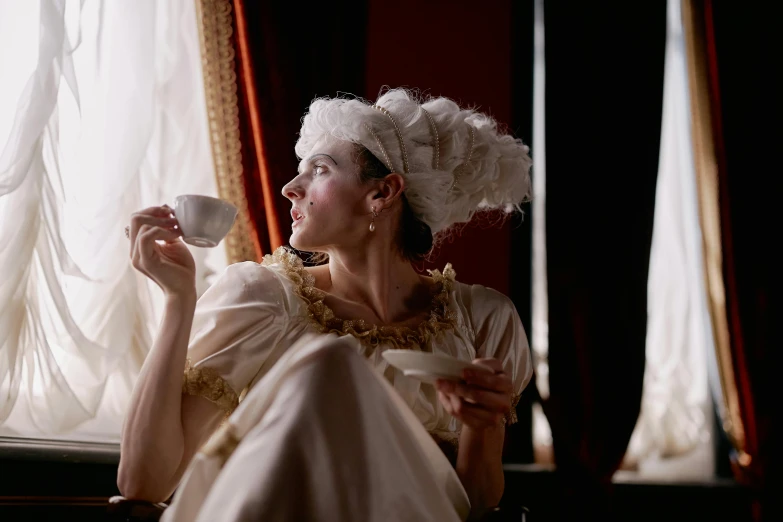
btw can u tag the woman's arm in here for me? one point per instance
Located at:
(163, 427)
(154, 441)
(480, 401)
(480, 466)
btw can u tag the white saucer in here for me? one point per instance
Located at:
(429, 367)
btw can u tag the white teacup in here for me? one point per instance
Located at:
(204, 220)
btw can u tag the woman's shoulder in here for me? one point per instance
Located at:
(478, 296)
(482, 306)
(248, 274)
(281, 262)
(267, 280)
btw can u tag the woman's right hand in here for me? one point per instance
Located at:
(170, 264)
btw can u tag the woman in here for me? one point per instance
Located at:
(317, 434)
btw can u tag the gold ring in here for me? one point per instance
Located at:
(127, 232)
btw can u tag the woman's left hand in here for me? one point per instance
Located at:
(481, 399)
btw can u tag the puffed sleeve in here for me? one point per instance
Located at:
(500, 335)
(236, 328)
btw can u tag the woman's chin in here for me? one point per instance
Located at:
(300, 241)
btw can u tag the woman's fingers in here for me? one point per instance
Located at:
(499, 382)
(447, 402)
(157, 252)
(491, 363)
(470, 414)
(482, 397)
(148, 235)
(477, 416)
(138, 220)
(162, 211)
(157, 210)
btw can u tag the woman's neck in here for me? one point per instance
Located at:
(378, 279)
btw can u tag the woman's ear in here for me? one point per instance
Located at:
(390, 189)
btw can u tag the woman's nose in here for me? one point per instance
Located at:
(292, 190)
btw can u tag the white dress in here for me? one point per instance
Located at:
(314, 433)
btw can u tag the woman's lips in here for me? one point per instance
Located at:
(296, 216)
(297, 219)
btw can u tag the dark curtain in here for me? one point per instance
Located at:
(743, 47)
(288, 53)
(604, 94)
(519, 436)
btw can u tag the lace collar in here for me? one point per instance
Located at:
(441, 319)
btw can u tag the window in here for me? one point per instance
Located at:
(674, 434)
(102, 113)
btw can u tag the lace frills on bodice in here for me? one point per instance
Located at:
(441, 317)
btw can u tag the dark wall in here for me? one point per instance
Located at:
(461, 50)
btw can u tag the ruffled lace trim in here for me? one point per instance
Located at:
(511, 416)
(448, 444)
(441, 318)
(206, 382)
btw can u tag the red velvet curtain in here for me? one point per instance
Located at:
(743, 43)
(604, 94)
(287, 55)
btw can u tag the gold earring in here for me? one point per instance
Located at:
(372, 223)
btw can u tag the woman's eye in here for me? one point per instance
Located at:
(319, 169)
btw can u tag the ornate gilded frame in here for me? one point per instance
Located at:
(220, 89)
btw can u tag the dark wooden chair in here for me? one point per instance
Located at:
(121, 509)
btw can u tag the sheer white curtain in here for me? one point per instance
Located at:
(102, 113)
(542, 433)
(674, 433)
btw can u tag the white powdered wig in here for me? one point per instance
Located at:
(495, 174)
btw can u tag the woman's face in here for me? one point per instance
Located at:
(330, 205)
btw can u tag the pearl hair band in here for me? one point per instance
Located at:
(435, 139)
(399, 136)
(380, 145)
